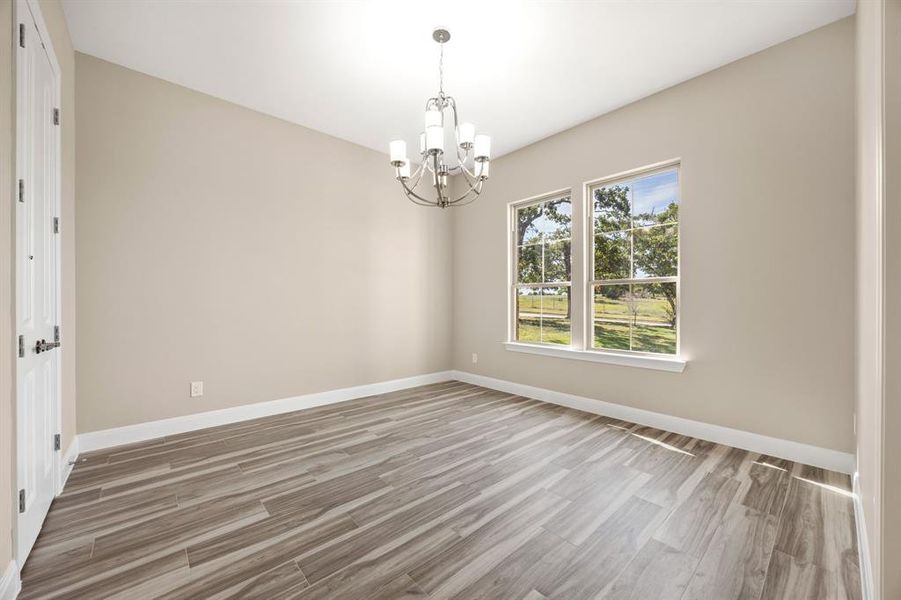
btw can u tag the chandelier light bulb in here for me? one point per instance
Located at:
(398, 151)
(466, 133)
(434, 118)
(482, 168)
(404, 170)
(434, 138)
(422, 143)
(482, 148)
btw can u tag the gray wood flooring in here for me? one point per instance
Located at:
(444, 491)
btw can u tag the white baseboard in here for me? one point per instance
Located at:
(803, 453)
(108, 438)
(67, 462)
(866, 569)
(833, 460)
(10, 584)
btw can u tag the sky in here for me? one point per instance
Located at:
(655, 192)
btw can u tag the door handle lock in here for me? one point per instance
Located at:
(44, 346)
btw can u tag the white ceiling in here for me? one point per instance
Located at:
(362, 71)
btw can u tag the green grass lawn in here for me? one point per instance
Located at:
(554, 305)
(615, 336)
(555, 331)
(649, 309)
(651, 333)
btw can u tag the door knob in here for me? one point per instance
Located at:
(44, 345)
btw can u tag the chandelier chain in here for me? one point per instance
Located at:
(441, 69)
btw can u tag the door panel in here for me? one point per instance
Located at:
(37, 151)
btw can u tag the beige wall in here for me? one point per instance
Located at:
(879, 286)
(767, 247)
(219, 244)
(62, 45)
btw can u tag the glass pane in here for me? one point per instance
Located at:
(530, 224)
(558, 219)
(557, 263)
(655, 318)
(528, 315)
(611, 208)
(611, 317)
(655, 199)
(656, 251)
(555, 316)
(611, 255)
(528, 264)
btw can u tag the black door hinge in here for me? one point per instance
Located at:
(56, 116)
(55, 224)
(21, 35)
(21, 190)
(56, 333)
(21, 501)
(21, 346)
(56, 442)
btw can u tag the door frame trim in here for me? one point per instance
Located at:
(32, 8)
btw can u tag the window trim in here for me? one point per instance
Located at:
(513, 264)
(658, 362)
(582, 307)
(588, 259)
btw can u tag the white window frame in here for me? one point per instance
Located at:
(513, 261)
(589, 251)
(582, 278)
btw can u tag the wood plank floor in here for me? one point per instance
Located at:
(444, 491)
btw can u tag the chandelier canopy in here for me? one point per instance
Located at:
(473, 151)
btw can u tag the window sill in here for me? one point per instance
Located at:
(659, 363)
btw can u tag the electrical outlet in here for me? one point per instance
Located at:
(196, 389)
(475, 358)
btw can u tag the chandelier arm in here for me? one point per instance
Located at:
(474, 190)
(414, 197)
(415, 177)
(463, 201)
(462, 158)
(468, 176)
(417, 199)
(427, 162)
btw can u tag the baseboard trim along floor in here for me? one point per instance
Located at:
(825, 458)
(832, 460)
(118, 436)
(10, 583)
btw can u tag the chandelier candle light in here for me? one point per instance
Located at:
(473, 151)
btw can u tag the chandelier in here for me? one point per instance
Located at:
(473, 151)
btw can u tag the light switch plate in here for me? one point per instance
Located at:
(196, 389)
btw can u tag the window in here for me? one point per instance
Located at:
(543, 271)
(622, 235)
(635, 263)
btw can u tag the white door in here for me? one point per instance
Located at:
(37, 166)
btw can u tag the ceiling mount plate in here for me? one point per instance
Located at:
(440, 35)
